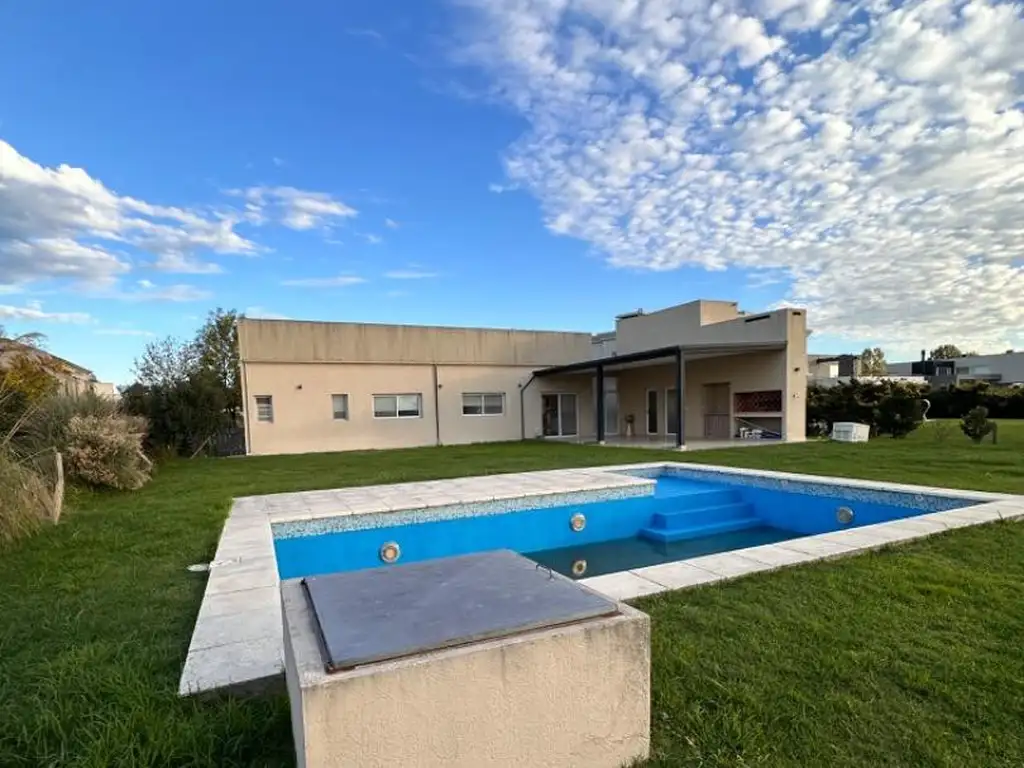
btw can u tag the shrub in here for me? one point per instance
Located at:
(106, 451)
(976, 424)
(899, 413)
(941, 430)
(25, 501)
(46, 428)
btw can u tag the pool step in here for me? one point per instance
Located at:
(698, 500)
(706, 521)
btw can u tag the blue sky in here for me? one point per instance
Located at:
(526, 163)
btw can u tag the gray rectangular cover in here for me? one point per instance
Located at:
(389, 612)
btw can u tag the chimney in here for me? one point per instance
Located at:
(923, 356)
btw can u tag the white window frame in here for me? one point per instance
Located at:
(482, 401)
(398, 409)
(269, 403)
(334, 410)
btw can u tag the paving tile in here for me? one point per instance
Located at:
(777, 555)
(235, 578)
(222, 625)
(676, 575)
(728, 564)
(815, 545)
(622, 585)
(232, 664)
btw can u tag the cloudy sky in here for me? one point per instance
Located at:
(529, 163)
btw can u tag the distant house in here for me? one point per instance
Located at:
(73, 378)
(1005, 369)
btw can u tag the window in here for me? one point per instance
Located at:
(264, 408)
(397, 406)
(483, 403)
(340, 405)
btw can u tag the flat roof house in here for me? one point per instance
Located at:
(692, 372)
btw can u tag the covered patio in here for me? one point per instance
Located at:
(681, 396)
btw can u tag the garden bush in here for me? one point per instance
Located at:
(899, 413)
(976, 424)
(106, 451)
(46, 428)
(25, 500)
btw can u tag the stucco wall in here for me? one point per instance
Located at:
(699, 323)
(577, 695)
(305, 342)
(303, 415)
(745, 373)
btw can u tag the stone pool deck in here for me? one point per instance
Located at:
(238, 637)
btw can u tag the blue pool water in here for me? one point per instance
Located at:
(685, 517)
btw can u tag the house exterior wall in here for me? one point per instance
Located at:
(289, 341)
(701, 323)
(744, 373)
(304, 418)
(301, 365)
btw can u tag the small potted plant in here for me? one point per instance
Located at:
(630, 421)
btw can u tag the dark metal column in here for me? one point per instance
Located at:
(680, 412)
(600, 404)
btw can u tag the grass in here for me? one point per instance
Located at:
(906, 657)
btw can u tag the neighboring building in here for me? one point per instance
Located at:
(311, 386)
(1004, 369)
(832, 366)
(73, 378)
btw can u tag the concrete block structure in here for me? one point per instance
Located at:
(571, 695)
(694, 372)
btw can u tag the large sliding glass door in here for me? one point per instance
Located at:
(558, 413)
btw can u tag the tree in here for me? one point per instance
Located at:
(30, 339)
(217, 352)
(976, 424)
(872, 362)
(945, 352)
(166, 362)
(189, 390)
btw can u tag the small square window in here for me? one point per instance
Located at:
(340, 405)
(264, 408)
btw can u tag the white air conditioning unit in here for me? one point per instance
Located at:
(850, 432)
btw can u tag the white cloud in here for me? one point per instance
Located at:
(261, 313)
(297, 209)
(396, 294)
(339, 281)
(185, 265)
(391, 224)
(63, 224)
(33, 312)
(122, 332)
(409, 274)
(373, 239)
(879, 168)
(146, 290)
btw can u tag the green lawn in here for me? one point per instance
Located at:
(911, 656)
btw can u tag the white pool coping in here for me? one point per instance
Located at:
(237, 641)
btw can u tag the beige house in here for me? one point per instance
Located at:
(695, 372)
(72, 379)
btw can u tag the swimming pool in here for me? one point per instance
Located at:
(237, 640)
(680, 515)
